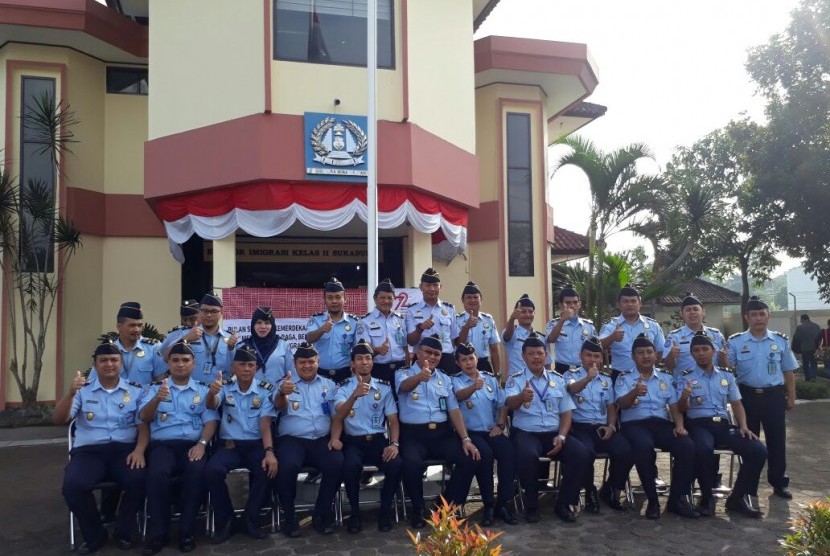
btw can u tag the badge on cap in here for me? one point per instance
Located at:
(140, 353)
(348, 327)
(415, 396)
(469, 405)
(377, 395)
(197, 399)
(295, 405)
(90, 416)
(256, 402)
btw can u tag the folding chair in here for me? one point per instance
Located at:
(309, 505)
(375, 487)
(267, 509)
(518, 498)
(175, 515)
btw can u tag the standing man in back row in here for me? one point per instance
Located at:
(478, 329)
(678, 357)
(569, 332)
(431, 316)
(333, 333)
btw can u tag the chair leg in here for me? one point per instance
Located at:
(71, 531)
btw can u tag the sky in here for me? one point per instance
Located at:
(670, 72)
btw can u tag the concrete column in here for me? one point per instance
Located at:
(418, 257)
(224, 263)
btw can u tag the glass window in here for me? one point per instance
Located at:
(37, 176)
(331, 32)
(519, 197)
(127, 81)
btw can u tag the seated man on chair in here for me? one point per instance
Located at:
(363, 404)
(244, 441)
(704, 394)
(181, 425)
(109, 445)
(541, 425)
(304, 400)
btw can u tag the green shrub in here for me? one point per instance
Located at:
(811, 390)
(809, 531)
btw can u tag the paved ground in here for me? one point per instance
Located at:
(35, 520)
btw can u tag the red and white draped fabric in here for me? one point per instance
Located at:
(268, 209)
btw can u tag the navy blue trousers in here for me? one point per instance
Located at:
(294, 453)
(617, 447)
(647, 434)
(167, 461)
(245, 453)
(98, 463)
(768, 409)
(358, 452)
(494, 448)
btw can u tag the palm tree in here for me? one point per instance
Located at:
(619, 192)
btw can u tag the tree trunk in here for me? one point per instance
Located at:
(743, 263)
(592, 241)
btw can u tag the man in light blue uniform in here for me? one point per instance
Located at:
(431, 316)
(427, 407)
(244, 441)
(704, 393)
(212, 346)
(333, 333)
(365, 406)
(181, 425)
(141, 361)
(479, 329)
(619, 333)
(647, 398)
(764, 364)
(514, 336)
(109, 444)
(595, 423)
(188, 320)
(678, 342)
(541, 425)
(305, 401)
(273, 354)
(481, 400)
(384, 330)
(569, 331)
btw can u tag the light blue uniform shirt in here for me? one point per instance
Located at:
(569, 343)
(711, 392)
(761, 362)
(211, 354)
(309, 410)
(376, 328)
(141, 364)
(279, 363)
(661, 393)
(549, 401)
(513, 348)
(335, 347)
(481, 409)
(241, 411)
(591, 403)
(443, 321)
(683, 336)
(183, 416)
(482, 335)
(423, 404)
(368, 412)
(621, 351)
(102, 417)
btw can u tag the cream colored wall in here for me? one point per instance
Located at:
(87, 91)
(454, 277)
(206, 65)
(483, 261)
(441, 78)
(125, 132)
(488, 143)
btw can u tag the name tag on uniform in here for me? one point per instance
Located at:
(549, 404)
(376, 420)
(442, 403)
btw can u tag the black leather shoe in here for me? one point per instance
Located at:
(355, 525)
(592, 500)
(742, 505)
(91, 547)
(783, 492)
(418, 518)
(681, 508)
(653, 509)
(187, 543)
(291, 529)
(124, 542)
(488, 516)
(565, 514)
(506, 515)
(223, 533)
(384, 522)
(532, 516)
(706, 507)
(322, 525)
(611, 496)
(153, 546)
(253, 531)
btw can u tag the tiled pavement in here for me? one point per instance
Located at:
(34, 519)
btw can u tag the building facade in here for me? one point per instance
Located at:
(222, 144)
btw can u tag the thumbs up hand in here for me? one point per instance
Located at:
(216, 385)
(328, 325)
(363, 387)
(472, 321)
(567, 313)
(163, 393)
(618, 335)
(194, 334)
(384, 347)
(641, 388)
(675, 349)
(287, 386)
(687, 390)
(426, 373)
(527, 394)
(78, 382)
(593, 371)
(479, 382)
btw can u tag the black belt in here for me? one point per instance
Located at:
(562, 367)
(760, 391)
(707, 420)
(365, 437)
(331, 372)
(425, 426)
(392, 365)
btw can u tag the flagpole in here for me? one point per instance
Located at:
(372, 178)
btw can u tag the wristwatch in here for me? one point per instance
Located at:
(502, 426)
(203, 442)
(395, 444)
(270, 449)
(562, 437)
(466, 439)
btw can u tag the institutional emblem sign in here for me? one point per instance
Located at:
(335, 146)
